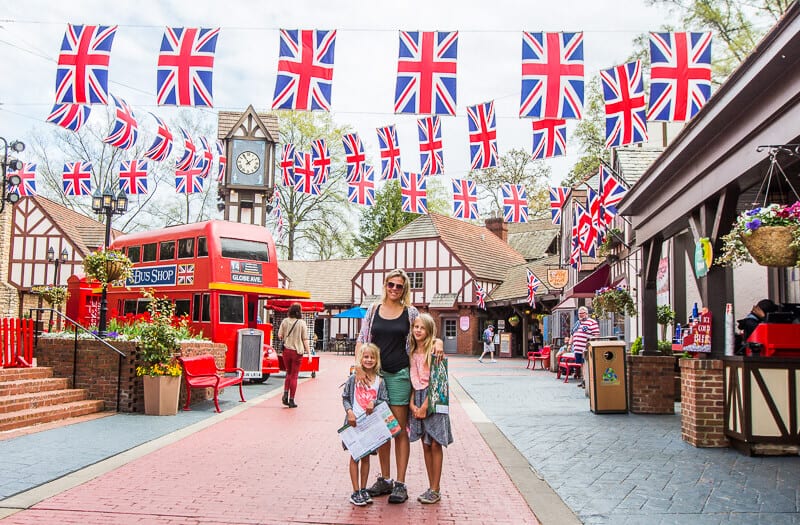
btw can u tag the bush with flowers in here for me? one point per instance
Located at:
(734, 249)
(613, 300)
(158, 339)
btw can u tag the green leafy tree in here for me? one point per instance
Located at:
(516, 167)
(381, 220)
(590, 136)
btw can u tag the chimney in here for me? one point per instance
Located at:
(498, 227)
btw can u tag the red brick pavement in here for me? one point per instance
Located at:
(270, 464)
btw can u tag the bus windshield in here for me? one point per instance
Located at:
(242, 249)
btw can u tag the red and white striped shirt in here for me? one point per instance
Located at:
(586, 329)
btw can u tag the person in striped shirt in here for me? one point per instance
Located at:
(584, 329)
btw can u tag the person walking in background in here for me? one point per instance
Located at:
(388, 324)
(294, 334)
(359, 400)
(488, 344)
(430, 426)
(584, 329)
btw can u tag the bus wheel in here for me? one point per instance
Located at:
(313, 374)
(259, 380)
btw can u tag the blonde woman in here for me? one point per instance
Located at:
(388, 324)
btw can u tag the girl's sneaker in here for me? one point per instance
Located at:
(365, 496)
(357, 499)
(429, 496)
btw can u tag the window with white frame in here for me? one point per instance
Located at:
(416, 280)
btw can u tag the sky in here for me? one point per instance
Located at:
(365, 67)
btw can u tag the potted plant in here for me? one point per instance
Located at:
(610, 240)
(613, 300)
(513, 320)
(55, 296)
(768, 234)
(108, 267)
(158, 348)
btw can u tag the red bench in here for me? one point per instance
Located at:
(201, 372)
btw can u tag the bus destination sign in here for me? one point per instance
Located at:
(152, 276)
(246, 272)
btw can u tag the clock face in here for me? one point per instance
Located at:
(248, 162)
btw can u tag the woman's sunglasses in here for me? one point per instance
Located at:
(390, 285)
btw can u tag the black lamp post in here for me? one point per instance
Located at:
(51, 258)
(108, 204)
(10, 164)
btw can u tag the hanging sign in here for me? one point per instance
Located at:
(699, 337)
(558, 277)
(702, 257)
(463, 323)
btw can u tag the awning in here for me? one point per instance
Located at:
(567, 304)
(355, 312)
(282, 305)
(591, 283)
(260, 290)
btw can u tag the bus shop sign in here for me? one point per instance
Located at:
(152, 276)
(246, 272)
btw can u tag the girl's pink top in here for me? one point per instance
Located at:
(420, 371)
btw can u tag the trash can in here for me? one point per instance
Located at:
(606, 377)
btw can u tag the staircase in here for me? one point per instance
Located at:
(29, 396)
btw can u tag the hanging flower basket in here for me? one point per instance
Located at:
(616, 300)
(108, 267)
(53, 295)
(771, 245)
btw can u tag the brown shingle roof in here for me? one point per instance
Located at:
(532, 239)
(329, 282)
(85, 233)
(481, 251)
(633, 162)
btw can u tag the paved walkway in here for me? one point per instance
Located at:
(526, 447)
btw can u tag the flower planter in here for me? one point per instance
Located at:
(770, 246)
(161, 395)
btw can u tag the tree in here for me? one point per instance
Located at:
(387, 216)
(590, 136)
(516, 167)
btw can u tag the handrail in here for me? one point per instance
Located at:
(77, 325)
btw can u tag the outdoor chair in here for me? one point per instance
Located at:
(568, 365)
(542, 357)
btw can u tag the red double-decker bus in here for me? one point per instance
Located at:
(217, 273)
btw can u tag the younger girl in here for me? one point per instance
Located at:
(359, 399)
(434, 429)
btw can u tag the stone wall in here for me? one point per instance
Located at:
(651, 384)
(98, 368)
(703, 403)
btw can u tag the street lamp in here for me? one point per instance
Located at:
(8, 183)
(51, 258)
(108, 204)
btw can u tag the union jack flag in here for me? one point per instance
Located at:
(126, 130)
(287, 165)
(162, 144)
(77, 178)
(533, 285)
(321, 160)
(414, 192)
(558, 196)
(552, 75)
(390, 152)
(431, 156)
(575, 258)
(305, 70)
(426, 73)
(515, 202)
(482, 135)
(186, 66)
(594, 208)
(354, 156)
(611, 193)
(585, 235)
(549, 138)
(480, 296)
(222, 161)
(465, 199)
(69, 116)
(305, 180)
(133, 177)
(623, 92)
(276, 209)
(189, 152)
(205, 157)
(27, 182)
(185, 274)
(362, 190)
(680, 75)
(82, 74)
(189, 180)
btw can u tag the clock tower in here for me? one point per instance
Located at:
(250, 141)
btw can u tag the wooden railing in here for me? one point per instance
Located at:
(16, 342)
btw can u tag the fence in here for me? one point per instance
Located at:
(16, 342)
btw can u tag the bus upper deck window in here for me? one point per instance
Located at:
(135, 253)
(202, 247)
(186, 248)
(149, 252)
(167, 250)
(244, 249)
